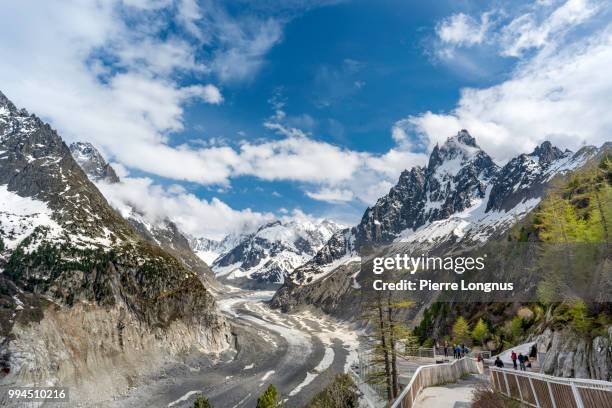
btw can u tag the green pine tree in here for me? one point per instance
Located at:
(461, 331)
(202, 402)
(480, 332)
(269, 399)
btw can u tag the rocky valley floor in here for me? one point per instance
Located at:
(298, 353)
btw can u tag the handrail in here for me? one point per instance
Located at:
(440, 373)
(542, 391)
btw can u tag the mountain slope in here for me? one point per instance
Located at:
(460, 199)
(93, 163)
(209, 250)
(271, 253)
(162, 232)
(84, 300)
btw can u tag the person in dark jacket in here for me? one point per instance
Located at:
(499, 363)
(521, 359)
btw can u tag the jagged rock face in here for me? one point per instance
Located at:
(570, 356)
(525, 176)
(167, 235)
(63, 246)
(460, 198)
(35, 162)
(271, 253)
(92, 162)
(457, 173)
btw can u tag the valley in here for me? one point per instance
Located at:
(298, 353)
(99, 294)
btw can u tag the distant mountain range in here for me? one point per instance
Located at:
(269, 254)
(272, 253)
(461, 198)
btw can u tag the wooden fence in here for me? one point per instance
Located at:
(545, 391)
(434, 374)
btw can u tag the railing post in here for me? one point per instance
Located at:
(577, 396)
(518, 385)
(552, 397)
(508, 385)
(535, 396)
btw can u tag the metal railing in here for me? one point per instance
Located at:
(545, 391)
(434, 374)
(370, 396)
(485, 354)
(438, 352)
(421, 352)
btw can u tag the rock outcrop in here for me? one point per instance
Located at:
(568, 355)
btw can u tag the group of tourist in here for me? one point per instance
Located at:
(518, 361)
(458, 350)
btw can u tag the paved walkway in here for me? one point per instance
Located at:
(457, 395)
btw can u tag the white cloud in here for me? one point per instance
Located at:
(63, 74)
(197, 217)
(361, 176)
(245, 46)
(472, 44)
(213, 219)
(212, 94)
(331, 195)
(188, 14)
(529, 30)
(561, 94)
(297, 158)
(96, 78)
(461, 29)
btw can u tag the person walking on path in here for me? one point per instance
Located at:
(513, 357)
(445, 349)
(499, 363)
(521, 359)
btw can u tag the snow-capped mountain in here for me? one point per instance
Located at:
(272, 252)
(210, 249)
(44, 195)
(67, 257)
(92, 162)
(460, 196)
(162, 232)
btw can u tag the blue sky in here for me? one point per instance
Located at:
(228, 114)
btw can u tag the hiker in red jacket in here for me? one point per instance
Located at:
(513, 357)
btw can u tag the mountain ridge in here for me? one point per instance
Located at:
(273, 250)
(460, 197)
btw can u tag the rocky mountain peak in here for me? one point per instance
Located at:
(6, 104)
(547, 153)
(63, 247)
(93, 163)
(7, 107)
(455, 152)
(464, 137)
